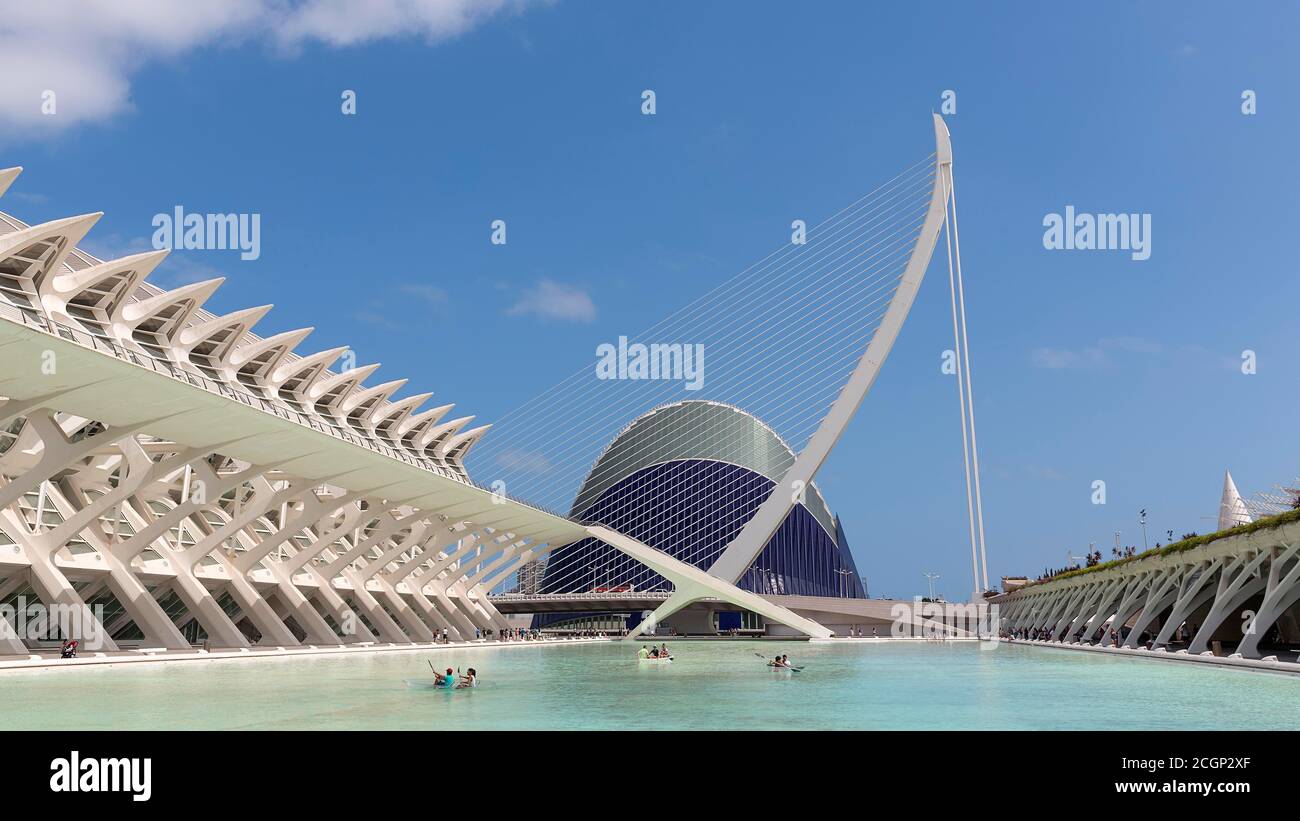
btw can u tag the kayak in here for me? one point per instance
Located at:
(425, 684)
(658, 660)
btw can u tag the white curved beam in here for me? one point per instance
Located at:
(690, 584)
(740, 554)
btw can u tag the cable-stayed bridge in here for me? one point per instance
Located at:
(197, 482)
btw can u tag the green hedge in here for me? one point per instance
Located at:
(1266, 523)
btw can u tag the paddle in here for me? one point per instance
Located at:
(770, 664)
(436, 674)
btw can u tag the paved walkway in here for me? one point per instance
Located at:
(50, 659)
(1269, 664)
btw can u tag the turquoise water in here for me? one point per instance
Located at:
(711, 685)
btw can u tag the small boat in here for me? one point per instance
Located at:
(658, 659)
(428, 684)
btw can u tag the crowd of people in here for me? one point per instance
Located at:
(528, 634)
(515, 634)
(1109, 636)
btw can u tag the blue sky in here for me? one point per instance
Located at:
(1087, 365)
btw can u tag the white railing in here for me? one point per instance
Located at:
(585, 596)
(109, 347)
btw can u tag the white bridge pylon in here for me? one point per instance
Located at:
(720, 580)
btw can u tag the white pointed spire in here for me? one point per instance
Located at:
(1232, 508)
(7, 177)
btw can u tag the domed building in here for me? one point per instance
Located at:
(685, 478)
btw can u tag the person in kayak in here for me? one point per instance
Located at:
(643, 653)
(663, 651)
(470, 679)
(448, 680)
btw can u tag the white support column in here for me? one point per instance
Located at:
(139, 603)
(440, 608)
(308, 618)
(1109, 598)
(53, 587)
(221, 631)
(1066, 611)
(350, 624)
(1058, 601)
(1164, 589)
(1238, 581)
(388, 629)
(416, 628)
(1083, 610)
(1194, 594)
(1282, 591)
(266, 497)
(1130, 601)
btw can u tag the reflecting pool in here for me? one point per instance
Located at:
(710, 685)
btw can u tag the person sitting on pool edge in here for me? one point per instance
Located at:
(449, 680)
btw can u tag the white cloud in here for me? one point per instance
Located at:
(1094, 356)
(526, 461)
(348, 22)
(86, 51)
(1057, 359)
(554, 300)
(431, 294)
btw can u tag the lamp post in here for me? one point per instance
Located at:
(844, 581)
(1143, 514)
(930, 577)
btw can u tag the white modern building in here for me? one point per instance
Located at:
(173, 478)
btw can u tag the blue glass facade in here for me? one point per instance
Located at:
(691, 509)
